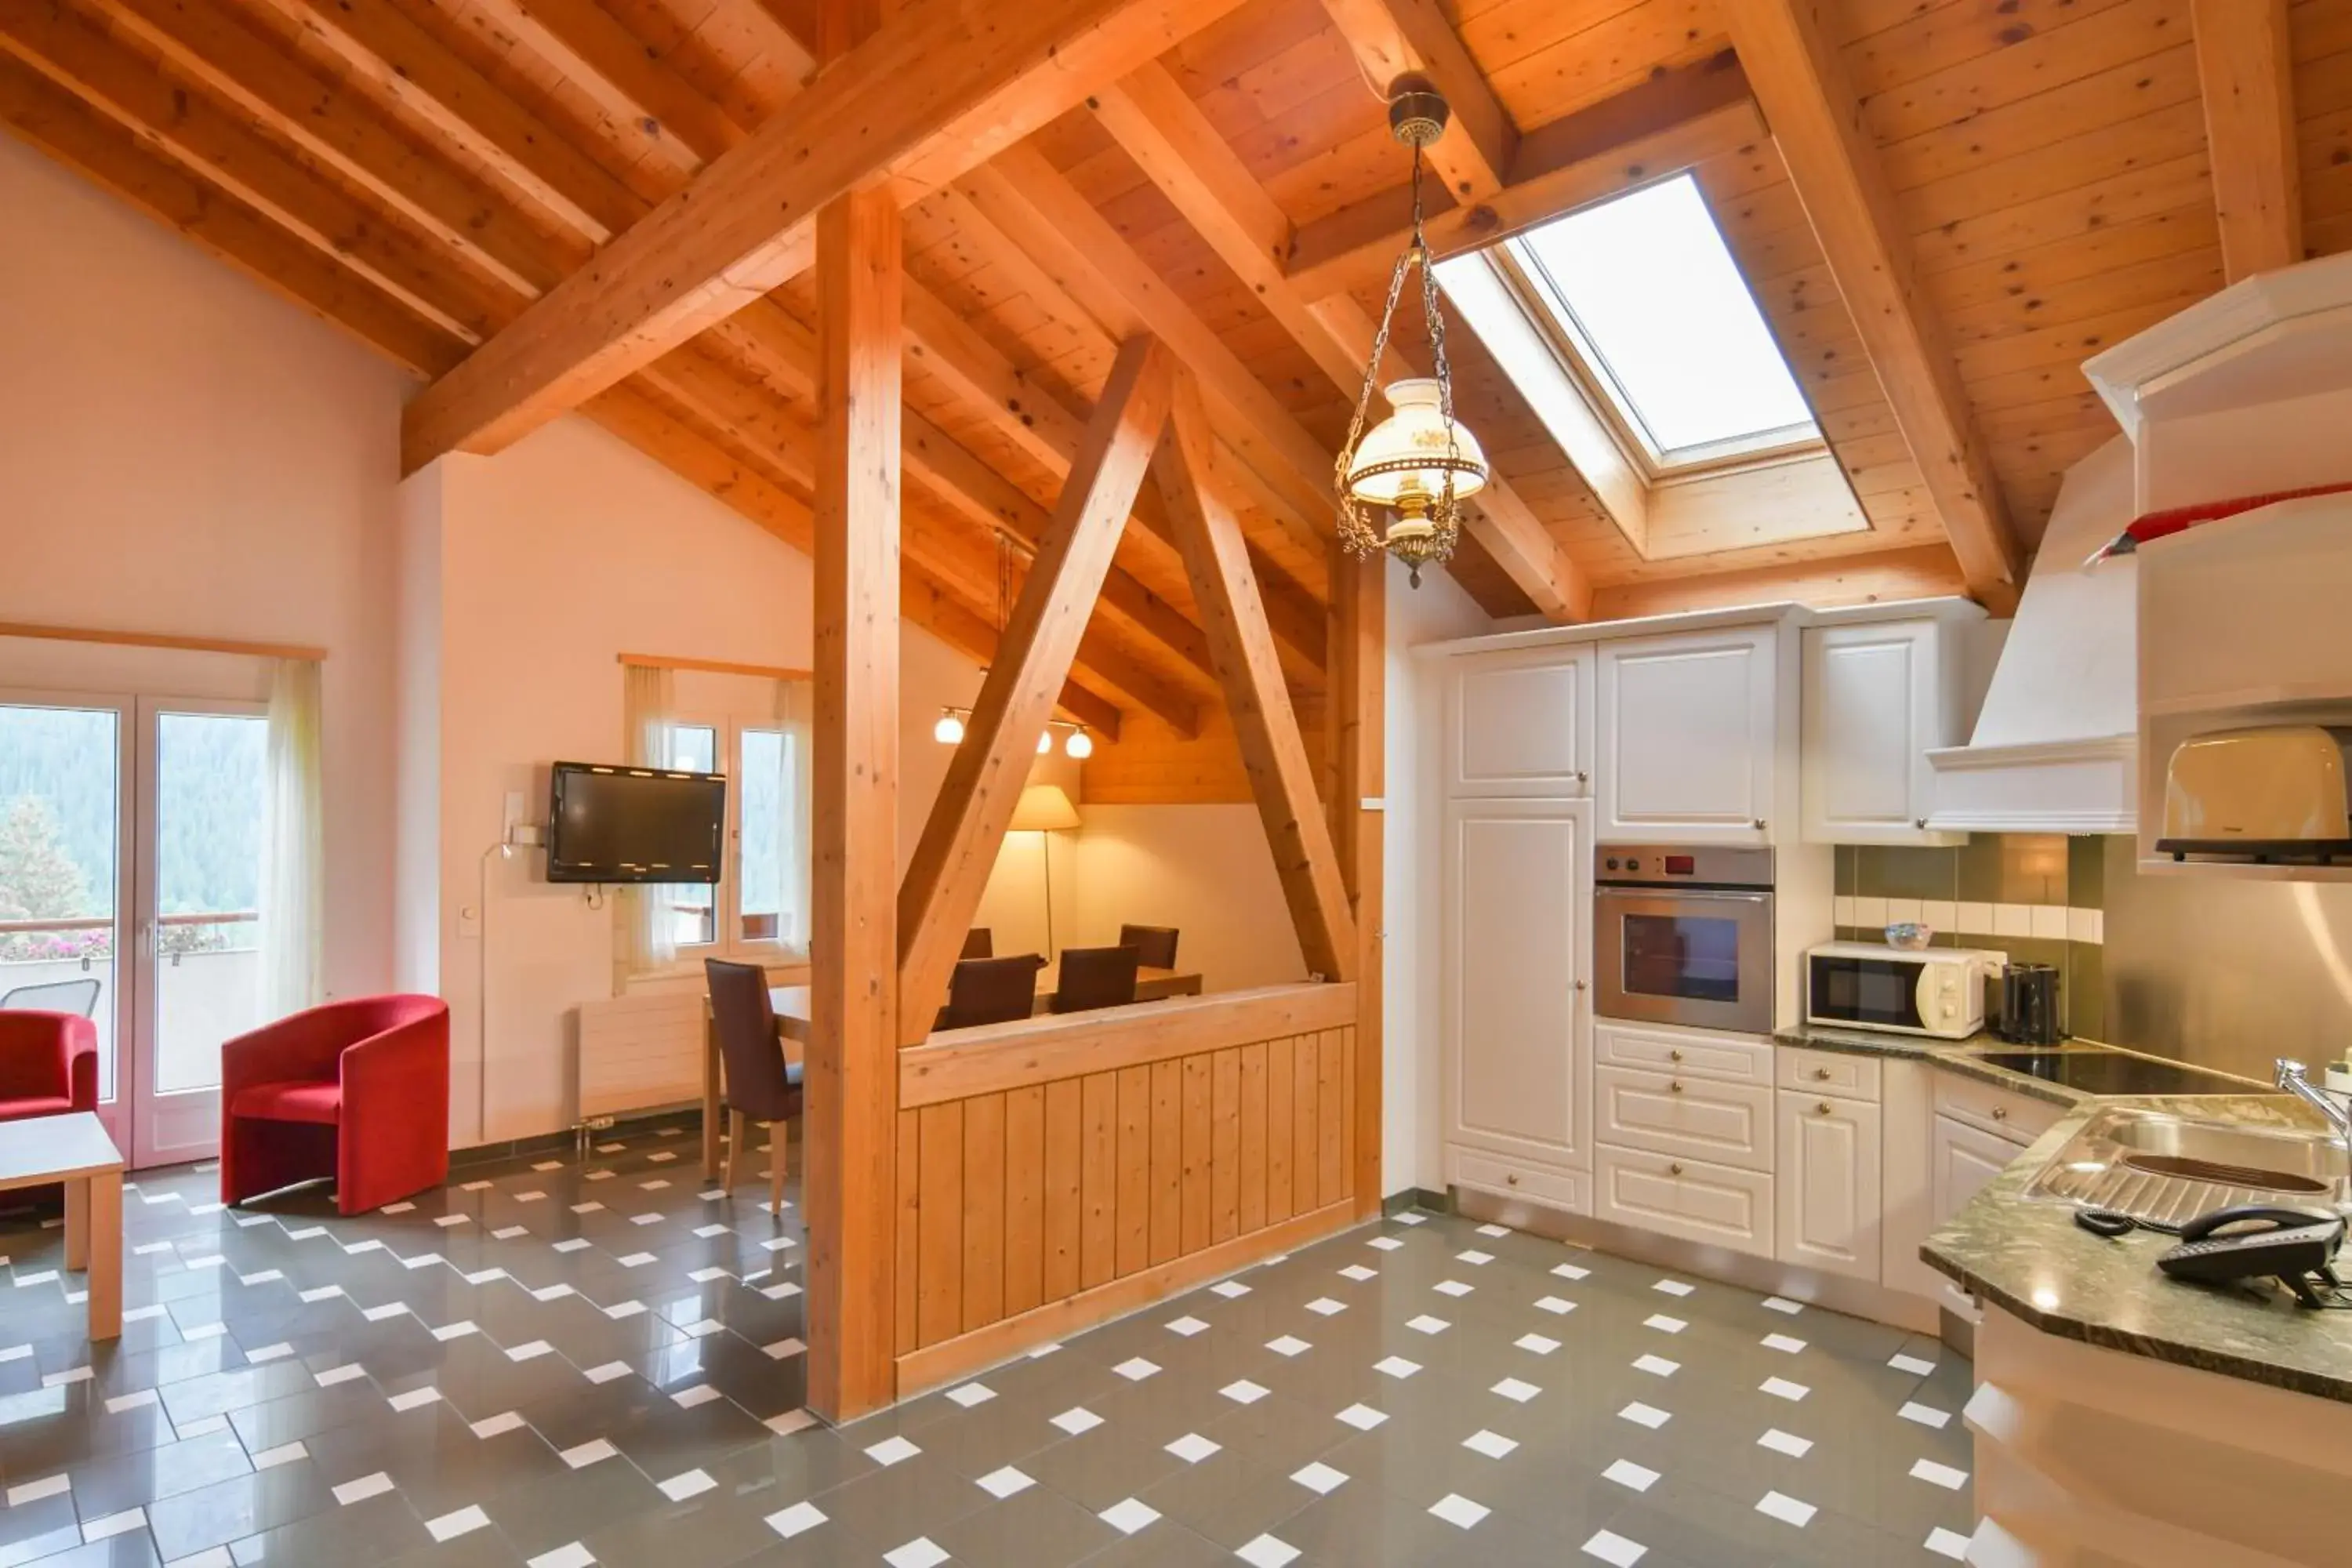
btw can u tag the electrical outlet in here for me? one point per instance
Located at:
(524, 833)
(599, 1123)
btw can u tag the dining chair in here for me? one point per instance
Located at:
(1094, 977)
(991, 991)
(759, 1084)
(1155, 946)
(979, 942)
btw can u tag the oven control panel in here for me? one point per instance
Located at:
(1666, 865)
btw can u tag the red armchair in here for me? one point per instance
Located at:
(358, 1091)
(48, 1064)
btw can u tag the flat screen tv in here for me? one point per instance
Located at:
(634, 824)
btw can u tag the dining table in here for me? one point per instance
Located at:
(793, 1008)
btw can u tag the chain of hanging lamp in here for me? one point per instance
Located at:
(1357, 533)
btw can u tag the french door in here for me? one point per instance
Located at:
(130, 834)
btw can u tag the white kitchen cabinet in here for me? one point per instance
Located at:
(1963, 1160)
(1689, 745)
(1695, 1199)
(1877, 697)
(1826, 1183)
(1520, 723)
(1516, 981)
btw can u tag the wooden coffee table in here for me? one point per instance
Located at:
(74, 1149)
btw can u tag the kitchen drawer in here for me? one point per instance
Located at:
(1829, 1072)
(1666, 1113)
(1691, 1053)
(2016, 1117)
(1695, 1199)
(1571, 1190)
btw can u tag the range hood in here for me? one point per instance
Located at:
(2247, 393)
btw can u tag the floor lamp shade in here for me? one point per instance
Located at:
(1045, 809)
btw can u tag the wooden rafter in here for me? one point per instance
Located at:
(1281, 774)
(1393, 37)
(938, 87)
(948, 870)
(1679, 118)
(1800, 82)
(581, 38)
(1172, 140)
(2246, 72)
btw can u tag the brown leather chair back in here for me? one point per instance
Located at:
(759, 1083)
(991, 991)
(1095, 977)
(1155, 946)
(979, 942)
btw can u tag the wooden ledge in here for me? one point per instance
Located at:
(959, 1063)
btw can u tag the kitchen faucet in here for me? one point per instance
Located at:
(2289, 1078)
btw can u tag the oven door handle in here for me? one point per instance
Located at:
(1684, 895)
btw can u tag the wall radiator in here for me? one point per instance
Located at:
(640, 1053)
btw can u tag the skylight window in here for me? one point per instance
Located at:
(1641, 295)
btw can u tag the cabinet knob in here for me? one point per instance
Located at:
(1582, 776)
(1823, 1108)
(1512, 1177)
(1757, 825)
(1822, 1074)
(1676, 1086)
(2000, 1113)
(1673, 1056)
(1674, 1169)
(1920, 822)
(1580, 986)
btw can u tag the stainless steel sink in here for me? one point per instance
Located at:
(2166, 1170)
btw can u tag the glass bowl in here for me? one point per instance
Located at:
(1909, 935)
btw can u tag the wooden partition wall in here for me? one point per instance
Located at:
(1053, 1174)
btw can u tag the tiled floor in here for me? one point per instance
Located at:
(560, 1366)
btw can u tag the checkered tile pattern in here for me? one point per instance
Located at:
(561, 1364)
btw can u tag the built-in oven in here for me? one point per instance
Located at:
(1683, 934)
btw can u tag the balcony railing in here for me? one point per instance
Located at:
(206, 992)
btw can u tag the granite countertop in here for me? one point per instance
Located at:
(2028, 1257)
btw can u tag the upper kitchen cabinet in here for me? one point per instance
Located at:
(1520, 723)
(1878, 697)
(1696, 732)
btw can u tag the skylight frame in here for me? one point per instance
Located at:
(1549, 310)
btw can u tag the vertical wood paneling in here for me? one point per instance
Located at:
(1331, 1116)
(1134, 1169)
(1252, 1205)
(1197, 1153)
(1167, 1159)
(984, 1210)
(1065, 1118)
(1279, 1129)
(938, 1296)
(1024, 1198)
(1225, 1144)
(910, 1216)
(1305, 1138)
(1099, 1162)
(1350, 1113)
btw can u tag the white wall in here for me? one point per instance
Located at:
(182, 452)
(1411, 1152)
(1204, 869)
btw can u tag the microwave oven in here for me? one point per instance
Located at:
(1937, 991)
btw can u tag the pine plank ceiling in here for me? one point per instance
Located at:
(1942, 206)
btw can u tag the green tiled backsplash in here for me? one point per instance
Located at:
(2038, 897)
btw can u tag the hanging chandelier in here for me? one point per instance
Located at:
(1413, 471)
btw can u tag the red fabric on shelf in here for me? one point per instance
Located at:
(358, 1091)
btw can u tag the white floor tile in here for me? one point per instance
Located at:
(1458, 1510)
(1268, 1551)
(1784, 1343)
(892, 1451)
(588, 1453)
(1397, 1366)
(1323, 1307)
(970, 1393)
(1555, 1306)
(797, 1520)
(1943, 1476)
(693, 1483)
(1187, 1326)
(1656, 1365)
(1626, 1473)
(1517, 1390)
(362, 1488)
(1129, 1515)
(1427, 1325)
(1614, 1548)
(1664, 1324)
(1787, 1443)
(462, 1522)
(492, 1426)
(1787, 1509)
(572, 1555)
(1078, 1419)
(920, 1552)
(1135, 1369)
(1948, 1544)
(1493, 1445)
(1320, 1479)
(1451, 1287)
(1912, 1364)
(1926, 1414)
(1244, 1392)
(1288, 1346)
(1363, 1417)
(1001, 1484)
(1648, 1416)
(1781, 1388)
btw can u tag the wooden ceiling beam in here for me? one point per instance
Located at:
(345, 130)
(1165, 133)
(1912, 571)
(938, 86)
(1390, 38)
(608, 62)
(1800, 82)
(1676, 120)
(2246, 72)
(76, 49)
(50, 117)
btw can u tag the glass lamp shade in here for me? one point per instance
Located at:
(1080, 745)
(1403, 461)
(1044, 743)
(949, 730)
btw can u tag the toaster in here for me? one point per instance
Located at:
(2277, 793)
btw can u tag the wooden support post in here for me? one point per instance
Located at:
(2246, 70)
(853, 1053)
(1358, 717)
(1281, 774)
(951, 865)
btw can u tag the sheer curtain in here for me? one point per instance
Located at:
(644, 938)
(293, 872)
(795, 702)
